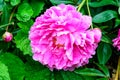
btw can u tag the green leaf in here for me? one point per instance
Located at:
(5, 14)
(25, 26)
(67, 75)
(89, 77)
(102, 79)
(106, 39)
(24, 12)
(23, 43)
(89, 72)
(117, 22)
(104, 16)
(56, 75)
(15, 66)
(37, 7)
(104, 69)
(119, 10)
(1, 5)
(52, 76)
(6, 0)
(4, 46)
(56, 2)
(104, 52)
(14, 2)
(36, 71)
(4, 75)
(102, 3)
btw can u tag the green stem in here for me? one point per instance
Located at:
(12, 23)
(88, 8)
(118, 70)
(80, 5)
(89, 12)
(11, 16)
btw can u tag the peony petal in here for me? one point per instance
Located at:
(69, 54)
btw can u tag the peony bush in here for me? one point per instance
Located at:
(59, 40)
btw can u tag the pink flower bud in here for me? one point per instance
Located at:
(98, 34)
(7, 36)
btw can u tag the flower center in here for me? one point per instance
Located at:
(57, 44)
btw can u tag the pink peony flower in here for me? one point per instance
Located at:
(7, 36)
(60, 38)
(116, 41)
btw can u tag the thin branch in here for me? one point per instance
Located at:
(11, 16)
(12, 23)
(118, 70)
(80, 5)
(89, 12)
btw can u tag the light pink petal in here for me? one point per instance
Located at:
(85, 23)
(38, 57)
(47, 57)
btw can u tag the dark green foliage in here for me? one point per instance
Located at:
(104, 52)
(16, 61)
(104, 16)
(89, 72)
(15, 66)
(36, 71)
(103, 3)
(4, 75)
